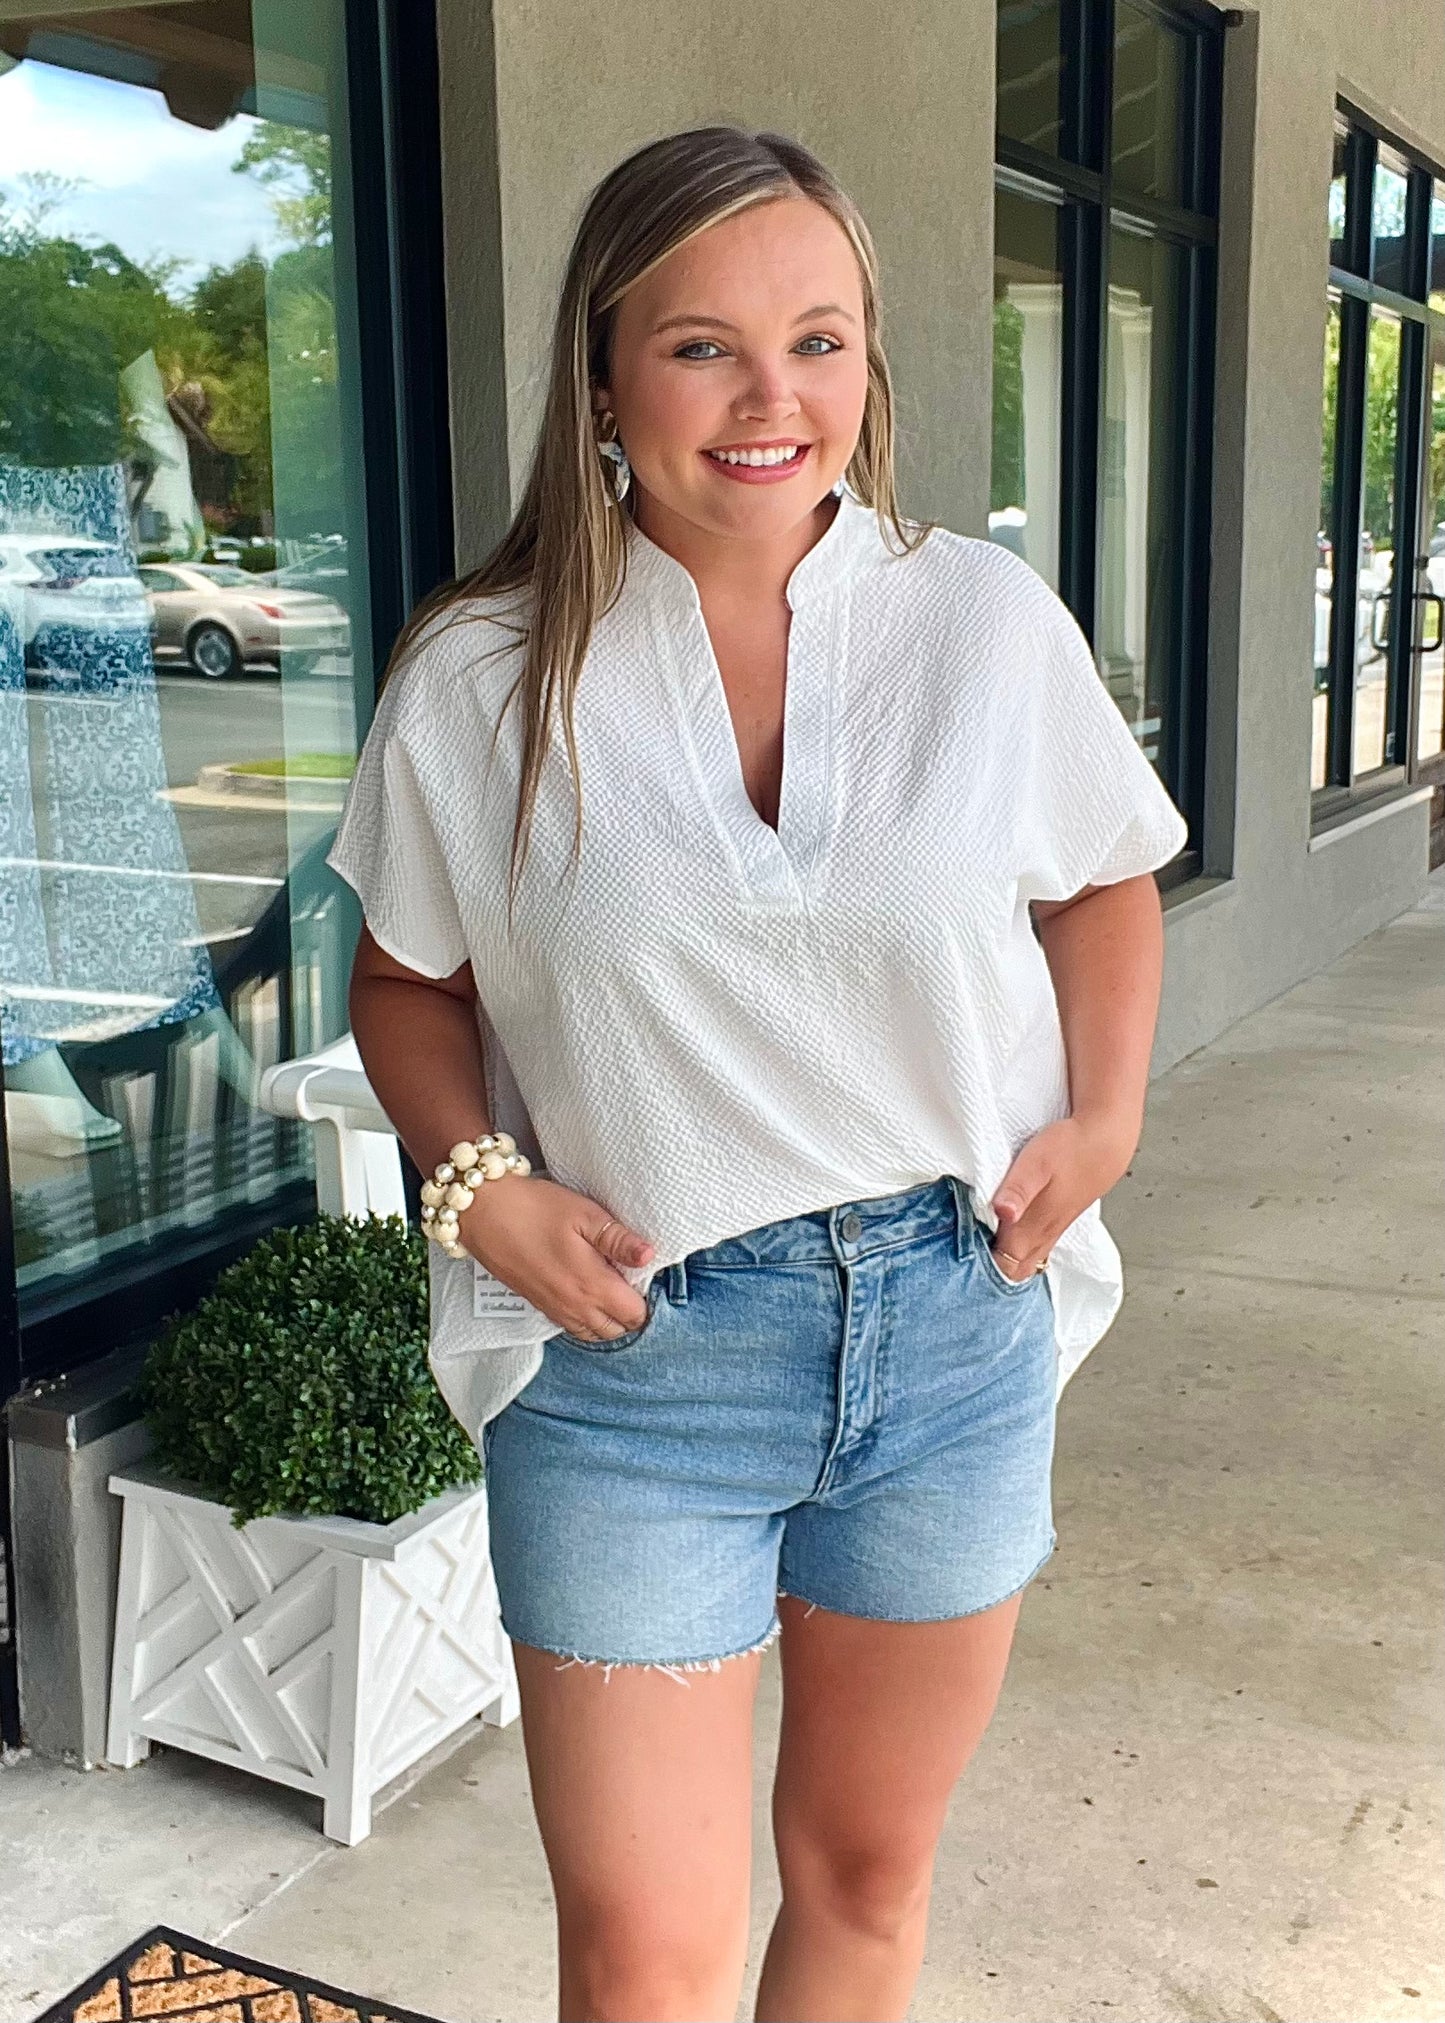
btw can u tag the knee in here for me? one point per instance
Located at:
(875, 1892)
(622, 1964)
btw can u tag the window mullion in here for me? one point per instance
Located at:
(1409, 507)
(1083, 240)
(1085, 246)
(1088, 29)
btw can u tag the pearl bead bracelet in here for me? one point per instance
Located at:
(454, 1183)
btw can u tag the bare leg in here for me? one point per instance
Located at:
(642, 1784)
(879, 1720)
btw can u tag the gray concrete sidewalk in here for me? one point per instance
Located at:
(1212, 1790)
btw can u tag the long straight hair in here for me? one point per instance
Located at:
(566, 545)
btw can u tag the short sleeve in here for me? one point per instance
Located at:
(386, 845)
(1093, 810)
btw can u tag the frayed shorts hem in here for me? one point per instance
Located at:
(676, 1667)
(673, 1667)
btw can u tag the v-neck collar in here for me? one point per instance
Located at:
(775, 866)
(831, 558)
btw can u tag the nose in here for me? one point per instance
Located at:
(769, 395)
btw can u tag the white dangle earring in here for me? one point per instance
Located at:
(619, 477)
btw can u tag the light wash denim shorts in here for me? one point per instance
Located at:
(853, 1406)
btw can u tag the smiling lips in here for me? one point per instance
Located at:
(758, 463)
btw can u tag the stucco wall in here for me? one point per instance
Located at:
(539, 101)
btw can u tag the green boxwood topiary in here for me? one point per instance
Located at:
(300, 1385)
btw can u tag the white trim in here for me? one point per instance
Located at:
(1409, 799)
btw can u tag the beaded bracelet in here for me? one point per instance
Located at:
(454, 1183)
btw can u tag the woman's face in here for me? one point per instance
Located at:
(749, 339)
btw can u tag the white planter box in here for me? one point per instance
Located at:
(321, 1652)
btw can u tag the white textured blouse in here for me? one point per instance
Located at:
(715, 1024)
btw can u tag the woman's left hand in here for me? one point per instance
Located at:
(1055, 1176)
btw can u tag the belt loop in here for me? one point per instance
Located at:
(677, 1283)
(962, 1217)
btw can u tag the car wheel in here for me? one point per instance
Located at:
(213, 653)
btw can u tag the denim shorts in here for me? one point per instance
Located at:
(853, 1406)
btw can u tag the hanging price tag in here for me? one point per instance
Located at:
(490, 1296)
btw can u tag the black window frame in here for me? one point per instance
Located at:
(1080, 182)
(1350, 284)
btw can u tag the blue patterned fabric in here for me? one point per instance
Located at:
(81, 771)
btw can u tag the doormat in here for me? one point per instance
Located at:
(164, 1974)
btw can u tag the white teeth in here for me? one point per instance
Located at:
(757, 457)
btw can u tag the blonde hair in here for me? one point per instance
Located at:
(566, 546)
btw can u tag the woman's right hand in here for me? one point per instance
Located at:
(558, 1249)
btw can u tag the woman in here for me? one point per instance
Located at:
(825, 1124)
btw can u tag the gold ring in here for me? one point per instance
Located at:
(1009, 1258)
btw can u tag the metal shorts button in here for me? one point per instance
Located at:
(851, 1227)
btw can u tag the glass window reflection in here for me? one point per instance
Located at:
(1376, 541)
(1142, 479)
(1389, 200)
(1325, 541)
(1030, 72)
(1028, 330)
(1149, 127)
(1339, 196)
(180, 608)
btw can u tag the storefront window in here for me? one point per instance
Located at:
(1141, 493)
(1377, 606)
(1104, 286)
(1028, 351)
(184, 612)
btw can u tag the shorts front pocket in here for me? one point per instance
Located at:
(993, 1271)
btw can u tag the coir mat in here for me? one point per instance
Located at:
(165, 1975)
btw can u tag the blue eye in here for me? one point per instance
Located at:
(818, 338)
(696, 345)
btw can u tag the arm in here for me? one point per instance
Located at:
(400, 1017)
(1105, 952)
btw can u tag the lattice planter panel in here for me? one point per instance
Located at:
(322, 1652)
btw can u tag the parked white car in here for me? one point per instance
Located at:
(73, 597)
